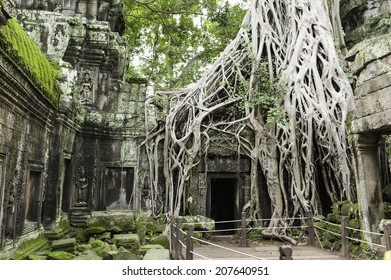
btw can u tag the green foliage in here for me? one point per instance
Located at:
(265, 95)
(176, 39)
(351, 78)
(29, 59)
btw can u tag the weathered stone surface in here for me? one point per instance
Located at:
(128, 241)
(157, 254)
(148, 247)
(67, 245)
(88, 255)
(199, 222)
(162, 240)
(123, 254)
(61, 255)
(37, 257)
(376, 102)
(114, 221)
(368, 51)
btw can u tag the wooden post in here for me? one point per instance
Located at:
(285, 252)
(189, 243)
(344, 239)
(310, 229)
(172, 228)
(387, 233)
(243, 241)
(179, 239)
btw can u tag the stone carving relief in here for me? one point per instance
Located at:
(86, 89)
(82, 185)
(146, 195)
(10, 218)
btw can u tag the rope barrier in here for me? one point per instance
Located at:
(317, 236)
(183, 245)
(332, 232)
(201, 256)
(215, 222)
(278, 219)
(326, 222)
(217, 230)
(364, 231)
(367, 242)
(317, 228)
(225, 248)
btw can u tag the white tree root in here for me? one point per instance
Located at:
(295, 39)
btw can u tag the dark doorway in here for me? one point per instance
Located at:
(32, 196)
(223, 202)
(118, 183)
(66, 188)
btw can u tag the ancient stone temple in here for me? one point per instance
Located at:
(71, 124)
(367, 24)
(66, 147)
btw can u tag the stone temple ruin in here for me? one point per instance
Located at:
(71, 148)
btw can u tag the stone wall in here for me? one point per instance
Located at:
(79, 154)
(367, 24)
(110, 108)
(29, 126)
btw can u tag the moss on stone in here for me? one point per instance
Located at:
(161, 239)
(95, 243)
(30, 246)
(37, 257)
(92, 231)
(129, 241)
(61, 255)
(157, 254)
(17, 46)
(115, 222)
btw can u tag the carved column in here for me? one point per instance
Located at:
(203, 199)
(69, 7)
(367, 171)
(92, 9)
(81, 8)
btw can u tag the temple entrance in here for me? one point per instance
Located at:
(32, 206)
(223, 202)
(118, 186)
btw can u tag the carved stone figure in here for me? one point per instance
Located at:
(146, 195)
(82, 185)
(86, 89)
(10, 213)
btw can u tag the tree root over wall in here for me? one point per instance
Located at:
(283, 57)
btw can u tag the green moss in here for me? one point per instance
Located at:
(61, 255)
(17, 46)
(95, 243)
(30, 246)
(162, 240)
(37, 257)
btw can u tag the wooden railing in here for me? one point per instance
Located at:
(182, 242)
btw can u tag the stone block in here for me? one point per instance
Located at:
(67, 245)
(88, 255)
(61, 255)
(121, 221)
(148, 247)
(129, 241)
(157, 254)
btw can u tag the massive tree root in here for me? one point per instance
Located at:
(283, 57)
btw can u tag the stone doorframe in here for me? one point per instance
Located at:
(368, 183)
(239, 191)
